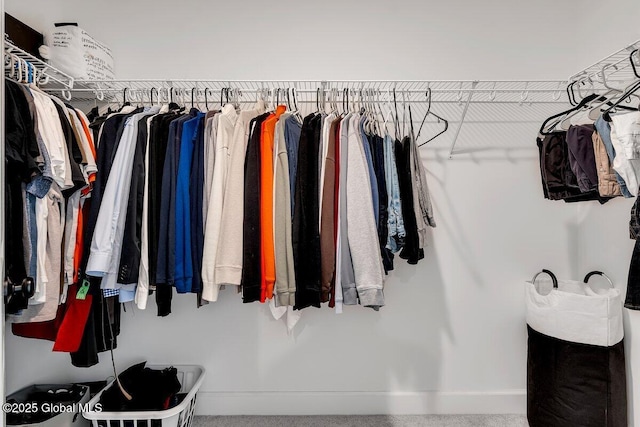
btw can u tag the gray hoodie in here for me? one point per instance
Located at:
(362, 232)
(347, 276)
(285, 286)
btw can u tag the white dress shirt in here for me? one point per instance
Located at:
(106, 245)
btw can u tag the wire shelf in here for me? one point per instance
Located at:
(50, 78)
(517, 92)
(616, 70)
(484, 104)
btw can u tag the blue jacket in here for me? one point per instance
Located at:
(166, 268)
(184, 261)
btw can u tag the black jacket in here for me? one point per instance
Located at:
(103, 324)
(196, 189)
(131, 239)
(21, 150)
(251, 271)
(305, 221)
(157, 150)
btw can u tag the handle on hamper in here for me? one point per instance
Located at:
(597, 273)
(545, 271)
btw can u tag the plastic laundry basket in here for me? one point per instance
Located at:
(190, 377)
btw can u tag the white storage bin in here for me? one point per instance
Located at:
(190, 377)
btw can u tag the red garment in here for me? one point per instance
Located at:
(66, 329)
(72, 327)
(40, 330)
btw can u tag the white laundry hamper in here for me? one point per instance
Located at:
(181, 415)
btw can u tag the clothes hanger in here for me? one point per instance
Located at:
(387, 118)
(606, 114)
(571, 94)
(206, 99)
(11, 65)
(364, 110)
(633, 63)
(370, 123)
(125, 102)
(405, 126)
(345, 98)
(396, 121)
(151, 94)
(224, 96)
(596, 109)
(379, 114)
(607, 97)
(440, 119)
(581, 104)
(294, 104)
(333, 104)
(18, 70)
(238, 94)
(567, 121)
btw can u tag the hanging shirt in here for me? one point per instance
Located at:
(212, 119)
(106, 244)
(196, 189)
(629, 169)
(305, 234)
(227, 269)
(285, 286)
(292, 130)
(166, 266)
(184, 261)
(52, 135)
(268, 262)
(345, 266)
(362, 232)
(411, 250)
(324, 147)
(225, 128)
(335, 300)
(128, 271)
(604, 131)
(372, 173)
(327, 223)
(251, 280)
(157, 138)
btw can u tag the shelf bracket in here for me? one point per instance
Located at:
(464, 114)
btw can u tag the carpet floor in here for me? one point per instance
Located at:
(365, 421)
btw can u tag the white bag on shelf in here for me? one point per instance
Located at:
(72, 50)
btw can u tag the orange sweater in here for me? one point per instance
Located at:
(267, 247)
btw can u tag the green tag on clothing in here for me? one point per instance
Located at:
(84, 289)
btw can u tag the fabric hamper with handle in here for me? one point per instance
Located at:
(575, 361)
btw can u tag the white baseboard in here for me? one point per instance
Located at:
(361, 403)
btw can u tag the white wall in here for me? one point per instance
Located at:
(452, 338)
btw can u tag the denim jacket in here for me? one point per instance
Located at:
(394, 220)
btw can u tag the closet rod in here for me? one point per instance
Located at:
(136, 99)
(378, 92)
